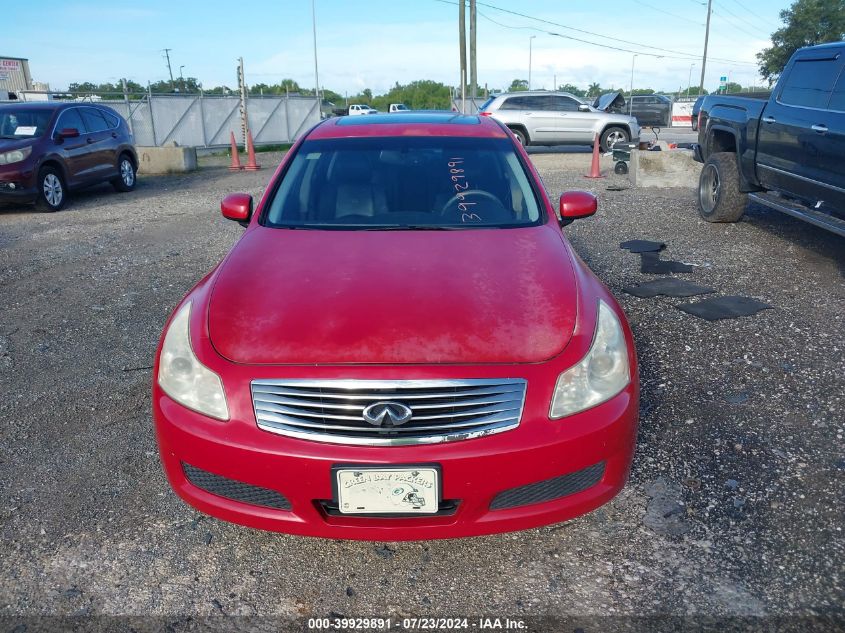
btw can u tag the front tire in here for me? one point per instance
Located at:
(128, 176)
(719, 197)
(613, 135)
(52, 191)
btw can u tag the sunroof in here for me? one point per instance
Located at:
(448, 118)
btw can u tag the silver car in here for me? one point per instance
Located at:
(559, 118)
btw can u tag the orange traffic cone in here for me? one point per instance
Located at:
(236, 161)
(595, 171)
(251, 165)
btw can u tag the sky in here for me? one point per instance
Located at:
(376, 43)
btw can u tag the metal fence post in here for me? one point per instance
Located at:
(128, 107)
(202, 119)
(152, 120)
(287, 113)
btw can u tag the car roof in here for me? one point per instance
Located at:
(52, 105)
(415, 123)
(35, 105)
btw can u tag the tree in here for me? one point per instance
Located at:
(518, 85)
(732, 86)
(693, 91)
(594, 90)
(573, 90)
(641, 91)
(806, 23)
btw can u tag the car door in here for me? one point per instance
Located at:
(74, 150)
(832, 143)
(581, 123)
(795, 141)
(99, 139)
(545, 122)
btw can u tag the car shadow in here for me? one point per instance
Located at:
(559, 149)
(816, 240)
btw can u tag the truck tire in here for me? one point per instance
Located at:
(719, 197)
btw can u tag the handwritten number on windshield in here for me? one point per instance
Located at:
(459, 182)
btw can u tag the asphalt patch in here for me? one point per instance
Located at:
(669, 287)
(642, 246)
(652, 264)
(729, 307)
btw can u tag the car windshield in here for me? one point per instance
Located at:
(21, 123)
(404, 183)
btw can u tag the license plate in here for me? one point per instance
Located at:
(387, 490)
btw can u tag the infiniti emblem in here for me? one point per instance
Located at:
(387, 414)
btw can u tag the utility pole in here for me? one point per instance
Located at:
(706, 39)
(316, 74)
(169, 69)
(462, 28)
(530, 52)
(473, 76)
(242, 90)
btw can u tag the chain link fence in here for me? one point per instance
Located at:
(198, 120)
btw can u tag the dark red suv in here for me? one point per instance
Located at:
(47, 149)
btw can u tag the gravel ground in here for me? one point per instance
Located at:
(734, 507)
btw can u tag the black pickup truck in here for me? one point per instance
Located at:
(786, 152)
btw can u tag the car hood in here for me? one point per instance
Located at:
(8, 145)
(329, 297)
(610, 102)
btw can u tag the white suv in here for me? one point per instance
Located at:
(559, 118)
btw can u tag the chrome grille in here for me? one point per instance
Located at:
(442, 410)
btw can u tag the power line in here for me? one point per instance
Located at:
(755, 16)
(672, 53)
(729, 12)
(608, 37)
(674, 15)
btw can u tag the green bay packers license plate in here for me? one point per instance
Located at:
(387, 490)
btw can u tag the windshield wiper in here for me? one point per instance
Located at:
(11, 138)
(417, 227)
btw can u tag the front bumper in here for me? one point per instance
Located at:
(17, 182)
(598, 442)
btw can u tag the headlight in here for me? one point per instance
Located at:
(600, 375)
(183, 377)
(15, 156)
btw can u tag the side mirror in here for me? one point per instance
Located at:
(237, 207)
(576, 204)
(68, 132)
(584, 108)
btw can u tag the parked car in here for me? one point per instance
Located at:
(48, 149)
(359, 109)
(696, 108)
(559, 118)
(650, 110)
(398, 107)
(784, 152)
(402, 345)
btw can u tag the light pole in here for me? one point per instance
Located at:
(689, 79)
(530, 43)
(631, 96)
(316, 74)
(181, 78)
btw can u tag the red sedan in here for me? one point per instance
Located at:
(402, 345)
